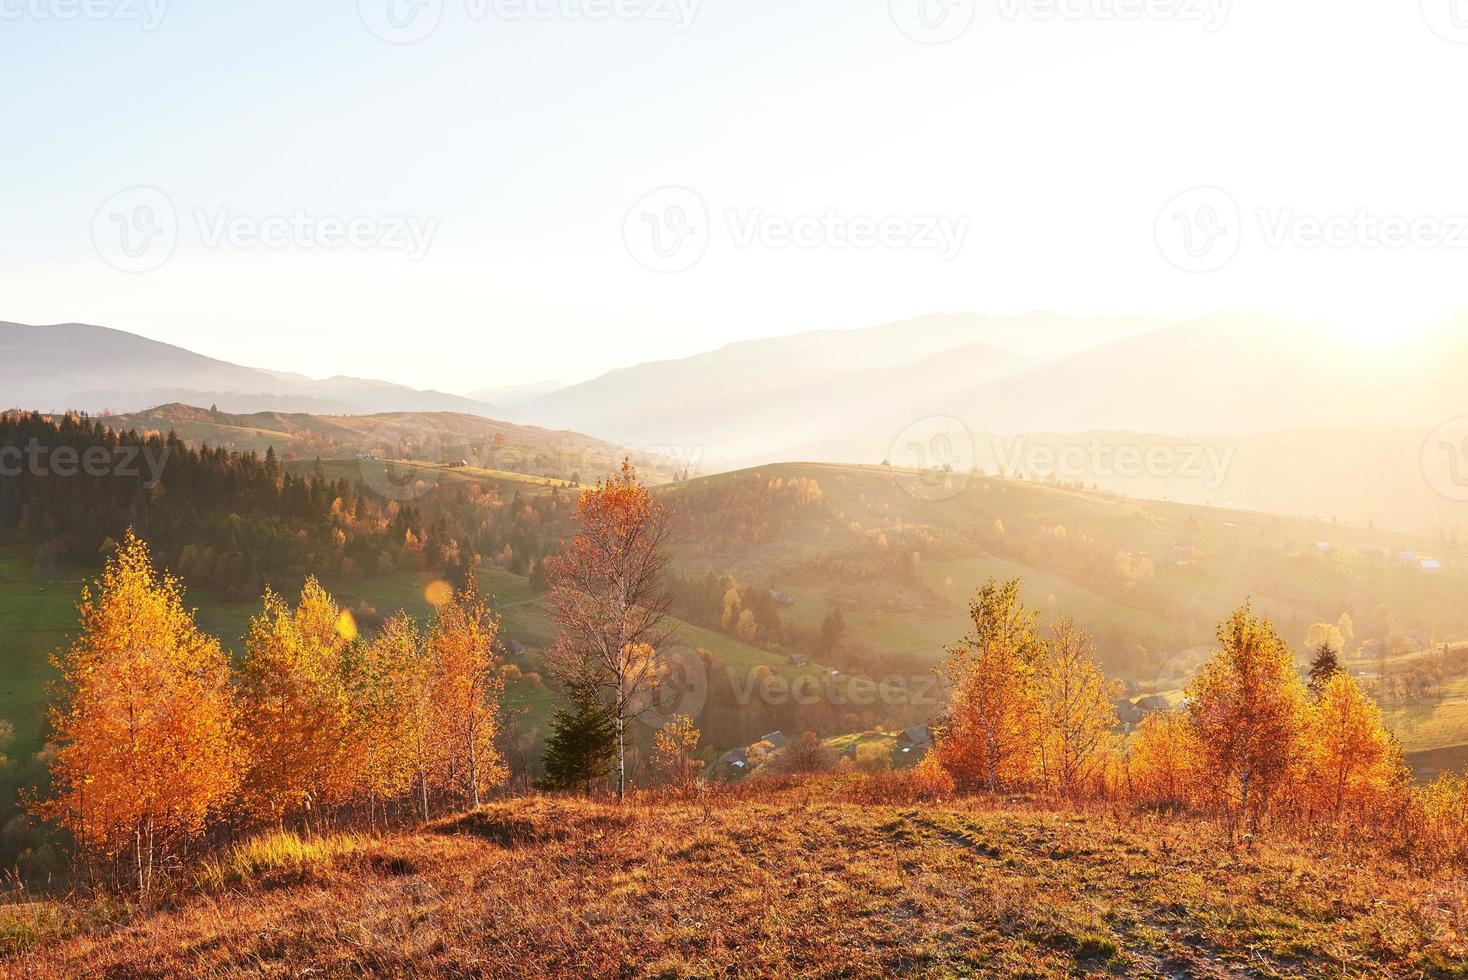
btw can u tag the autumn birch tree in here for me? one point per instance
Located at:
(990, 732)
(297, 706)
(467, 686)
(1356, 766)
(146, 745)
(1247, 712)
(389, 681)
(1076, 711)
(607, 587)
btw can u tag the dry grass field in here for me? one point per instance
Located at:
(799, 880)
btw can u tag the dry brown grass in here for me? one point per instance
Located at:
(798, 881)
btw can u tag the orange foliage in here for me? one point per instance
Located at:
(146, 744)
(606, 585)
(466, 686)
(1247, 708)
(990, 734)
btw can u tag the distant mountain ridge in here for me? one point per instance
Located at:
(1302, 421)
(98, 369)
(848, 395)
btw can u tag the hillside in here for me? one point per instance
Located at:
(1149, 579)
(805, 881)
(97, 369)
(434, 438)
(1155, 573)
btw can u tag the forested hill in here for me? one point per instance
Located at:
(234, 522)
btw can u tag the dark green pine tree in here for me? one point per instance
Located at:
(1325, 666)
(582, 744)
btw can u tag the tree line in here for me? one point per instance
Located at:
(160, 739)
(1251, 744)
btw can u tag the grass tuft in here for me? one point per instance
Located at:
(277, 858)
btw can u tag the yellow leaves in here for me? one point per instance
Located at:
(1353, 766)
(674, 746)
(145, 724)
(296, 705)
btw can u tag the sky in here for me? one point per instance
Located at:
(463, 194)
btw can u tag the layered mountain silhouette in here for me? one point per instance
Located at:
(97, 369)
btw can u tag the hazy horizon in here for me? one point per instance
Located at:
(549, 194)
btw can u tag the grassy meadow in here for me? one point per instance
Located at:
(804, 880)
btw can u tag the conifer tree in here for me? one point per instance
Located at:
(582, 745)
(1325, 666)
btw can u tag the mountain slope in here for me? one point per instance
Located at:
(95, 369)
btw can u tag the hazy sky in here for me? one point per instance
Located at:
(497, 176)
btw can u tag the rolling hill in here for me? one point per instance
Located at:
(444, 439)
